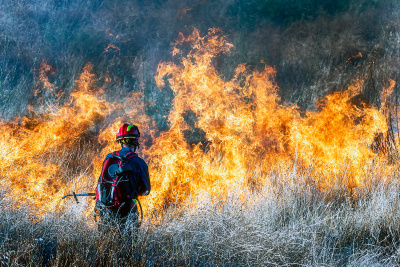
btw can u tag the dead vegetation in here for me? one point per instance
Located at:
(288, 223)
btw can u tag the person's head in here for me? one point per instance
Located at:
(128, 136)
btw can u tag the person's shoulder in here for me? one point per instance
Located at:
(109, 155)
(138, 159)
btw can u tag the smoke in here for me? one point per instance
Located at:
(313, 46)
(196, 78)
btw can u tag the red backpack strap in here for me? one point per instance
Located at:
(104, 169)
(130, 155)
(106, 164)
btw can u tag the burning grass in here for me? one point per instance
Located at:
(289, 222)
(219, 131)
(238, 178)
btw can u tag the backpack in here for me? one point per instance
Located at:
(114, 189)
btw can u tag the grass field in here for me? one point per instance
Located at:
(240, 175)
(289, 223)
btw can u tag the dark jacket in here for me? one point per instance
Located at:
(139, 176)
(138, 183)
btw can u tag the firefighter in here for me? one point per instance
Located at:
(123, 178)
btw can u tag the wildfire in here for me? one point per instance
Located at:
(244, 125)
(44, 72)
(221, 132)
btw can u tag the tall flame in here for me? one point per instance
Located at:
(223, 133)
(33, 146)
(244, 125)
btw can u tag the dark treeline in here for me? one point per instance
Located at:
(317, 47)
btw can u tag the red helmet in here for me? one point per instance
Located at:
(128, 133)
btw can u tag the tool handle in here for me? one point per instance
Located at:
(79, 195)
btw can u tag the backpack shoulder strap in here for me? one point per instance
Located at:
(130, 155)
(107, 162)
(122, 159)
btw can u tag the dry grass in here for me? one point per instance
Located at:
(287, 223)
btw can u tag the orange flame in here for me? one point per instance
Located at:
(38, 153)
(112, 48)
(222, 133)
(244, 125)
(44, 72)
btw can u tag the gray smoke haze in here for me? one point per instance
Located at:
(317, 47)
